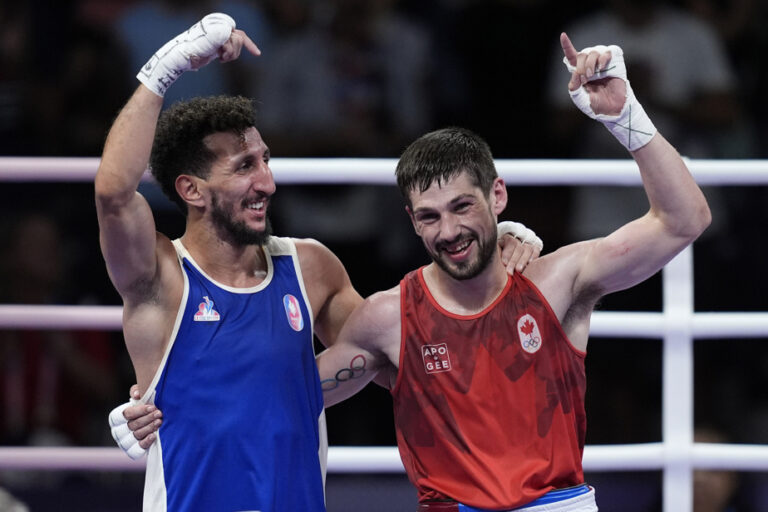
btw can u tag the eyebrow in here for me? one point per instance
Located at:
(250, 156)
(453, 201)
(462, 197)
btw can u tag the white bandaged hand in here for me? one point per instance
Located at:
(189, 50)
(519, 231)
(123, 435)
(631, 126)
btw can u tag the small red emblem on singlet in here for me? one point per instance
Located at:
(528, 331)
(293, 312)
(436, 358)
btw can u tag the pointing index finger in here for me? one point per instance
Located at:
(568, 49)
(250, 45)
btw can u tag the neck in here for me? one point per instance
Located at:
(239, 266)
(468, 296)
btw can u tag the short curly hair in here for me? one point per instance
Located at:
(444, 154)
(178, 147)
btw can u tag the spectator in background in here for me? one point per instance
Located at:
(73, 112)
(713, 490)
(730, 18)
(61, 106)
(345, 87)
(691, 99)
(490, 54)
(14, 75)
(286, 18)
(54, 385)
(741, 25)
(489, 47)
(353, 83)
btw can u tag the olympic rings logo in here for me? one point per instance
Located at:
(355, 370)
(532, 342)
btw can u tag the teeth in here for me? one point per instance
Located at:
(459, 248)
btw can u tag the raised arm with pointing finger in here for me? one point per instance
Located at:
(223, 317)
(486, 370)
(136, 256)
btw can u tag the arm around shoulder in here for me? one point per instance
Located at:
(368, 344)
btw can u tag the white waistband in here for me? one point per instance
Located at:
(582, 503)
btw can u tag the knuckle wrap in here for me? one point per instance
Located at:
(521, 232)
(201, 41)
(121, 432)
(631, 126)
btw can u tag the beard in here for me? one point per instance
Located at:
(466, 269)
(234, 231)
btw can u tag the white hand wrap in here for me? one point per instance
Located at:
(201, 42)
(631, 127)
(519, 231)
(122, 434)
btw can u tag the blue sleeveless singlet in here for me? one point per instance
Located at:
(244, 427)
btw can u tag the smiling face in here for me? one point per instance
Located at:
(240, 185)
(457, 223)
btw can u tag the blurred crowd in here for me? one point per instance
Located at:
(362, 78)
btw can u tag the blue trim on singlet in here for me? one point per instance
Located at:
(550, 497)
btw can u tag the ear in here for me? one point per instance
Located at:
(188, 188)
(498, 196)
(413, 221)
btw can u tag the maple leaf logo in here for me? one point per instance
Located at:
(527, 327)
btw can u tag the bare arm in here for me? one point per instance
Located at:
(368, 347)
(574, 277)
(133, 251)
(126, 226)
(678, 215)
(330, 291)
(678, 210)
(331, 294)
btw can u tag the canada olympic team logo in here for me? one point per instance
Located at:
(528, 331)
(293, 312)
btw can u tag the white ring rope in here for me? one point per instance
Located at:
(386, 459)
(380, 171)
(604, 323)
(677, 325)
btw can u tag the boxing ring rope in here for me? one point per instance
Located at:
(380, 171)
(604, 323)
(677, 325)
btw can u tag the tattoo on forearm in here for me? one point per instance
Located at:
(355, 370)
